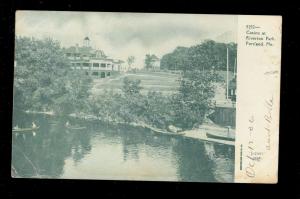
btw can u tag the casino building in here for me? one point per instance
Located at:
(93, 62)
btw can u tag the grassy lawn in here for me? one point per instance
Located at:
(164, 82)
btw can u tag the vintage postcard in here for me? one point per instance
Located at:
(146, 96)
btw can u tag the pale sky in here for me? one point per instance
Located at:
(121, 35)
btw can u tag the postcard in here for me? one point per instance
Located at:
(146, 96)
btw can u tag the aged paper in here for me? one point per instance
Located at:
(146, 96)
(259, 58)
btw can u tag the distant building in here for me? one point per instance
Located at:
(152, 62)
(224, 116)
(155, 62)
(222, 93)
(225, 108)
(91, 61)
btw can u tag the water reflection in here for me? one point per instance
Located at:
(104, 151)
(222, 158)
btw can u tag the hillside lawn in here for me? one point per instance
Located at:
(164, 82)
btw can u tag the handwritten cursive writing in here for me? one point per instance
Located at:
(268, 121)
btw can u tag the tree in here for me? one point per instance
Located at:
(131, 87)
(44, 79)
(133, 104)
(175, 60)
(149, 60)
(194, 98)
(158, 110)
(148, 64)
(130, 61)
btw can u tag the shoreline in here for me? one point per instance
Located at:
(198, 134)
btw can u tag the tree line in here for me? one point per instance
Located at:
(205, 56)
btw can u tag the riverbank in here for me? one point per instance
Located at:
(198, 134)
(41, 112)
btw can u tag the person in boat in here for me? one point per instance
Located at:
(67, 124)
(33, 125)
(16, 127)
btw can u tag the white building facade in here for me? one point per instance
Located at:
(93, 62)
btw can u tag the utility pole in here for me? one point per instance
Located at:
(227, 77)
(235, 69)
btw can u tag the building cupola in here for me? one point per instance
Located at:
(86, 42)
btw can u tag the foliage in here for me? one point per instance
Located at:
(131, 86)
(131, 106)
(205, 56)
(188, 107)
(185, 109)
(149, 59)
(159, 110)
(106, 106)
(44, 80)
(194, 98)
(130, 61)
(175, 60)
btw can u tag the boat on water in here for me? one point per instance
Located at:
(214, 131)
(220, 137)
(25, 129)
(156, 130)
(76, 127)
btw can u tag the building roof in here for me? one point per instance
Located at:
(85, 51)
(89, 52)
(154, 58)
(118, 61)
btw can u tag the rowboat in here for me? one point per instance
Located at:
(76, 127)
(26, 129)
(156, 130)
(220, 137)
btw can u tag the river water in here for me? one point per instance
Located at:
(117, 152)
